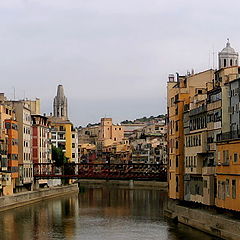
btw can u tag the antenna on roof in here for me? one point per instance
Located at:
(213, 54)
(14, 93)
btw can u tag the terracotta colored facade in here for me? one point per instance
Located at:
(41, 149)
(12, 132)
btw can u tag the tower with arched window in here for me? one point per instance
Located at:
(60, 107)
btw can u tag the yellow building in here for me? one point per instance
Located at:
(61, 131)
(228, 175)
(64, 135)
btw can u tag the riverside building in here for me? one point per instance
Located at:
(203, 135)
(63, 134)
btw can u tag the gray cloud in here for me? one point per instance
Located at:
(113, 57)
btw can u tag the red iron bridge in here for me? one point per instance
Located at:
(133, 171)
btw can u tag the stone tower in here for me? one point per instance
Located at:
(60, 108)
(227, 57)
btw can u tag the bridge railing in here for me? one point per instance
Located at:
(101, 171)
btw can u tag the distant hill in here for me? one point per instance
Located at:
(145, 119)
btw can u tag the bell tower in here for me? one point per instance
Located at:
(60, 108)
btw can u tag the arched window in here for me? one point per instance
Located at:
(231, 62)
(225, 62)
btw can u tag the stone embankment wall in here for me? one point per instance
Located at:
(21, 199)
(216, 224)
(126, 184)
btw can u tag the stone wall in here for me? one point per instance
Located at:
(126, 183)
(21, 199)
(216, 224)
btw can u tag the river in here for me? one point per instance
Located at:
(96, 214)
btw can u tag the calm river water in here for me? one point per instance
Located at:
(96, 214)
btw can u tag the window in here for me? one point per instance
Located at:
(177, 161)
(176, 125)
(233, 188)
(61, 136)
(73, 145)
(235, 157)
(8, 125)
(231, 62)
(226, 156)
(176, 144)
(73, 155)
(177, 184)
(227, 188)
(218, 191)
(73, 135)
(225, 62)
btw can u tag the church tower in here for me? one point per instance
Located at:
(227, 57)
(60, 108)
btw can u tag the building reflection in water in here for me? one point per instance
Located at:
(96, 214)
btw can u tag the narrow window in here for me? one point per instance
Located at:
(177, 184)
(227, 188)
(233, 189)
(235, 157)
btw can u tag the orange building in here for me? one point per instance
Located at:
(108, 133)
(179, 95)
(8, 146)
(228, 175)
(12, 133)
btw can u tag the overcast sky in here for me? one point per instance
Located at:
(112, 56)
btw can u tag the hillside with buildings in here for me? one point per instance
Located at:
(150, 119)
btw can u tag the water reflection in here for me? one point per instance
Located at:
(96, 214)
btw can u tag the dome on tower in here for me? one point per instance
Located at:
(228, 49)
(228, 57)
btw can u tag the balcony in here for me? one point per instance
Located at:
(226, 164)
(198, 110)
(6, 179)
(229, 136)
(208, 170)
(212, 147)
(193, 170)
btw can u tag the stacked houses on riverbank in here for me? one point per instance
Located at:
(27, 137)
(204, 134)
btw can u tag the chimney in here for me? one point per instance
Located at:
(171, 77)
